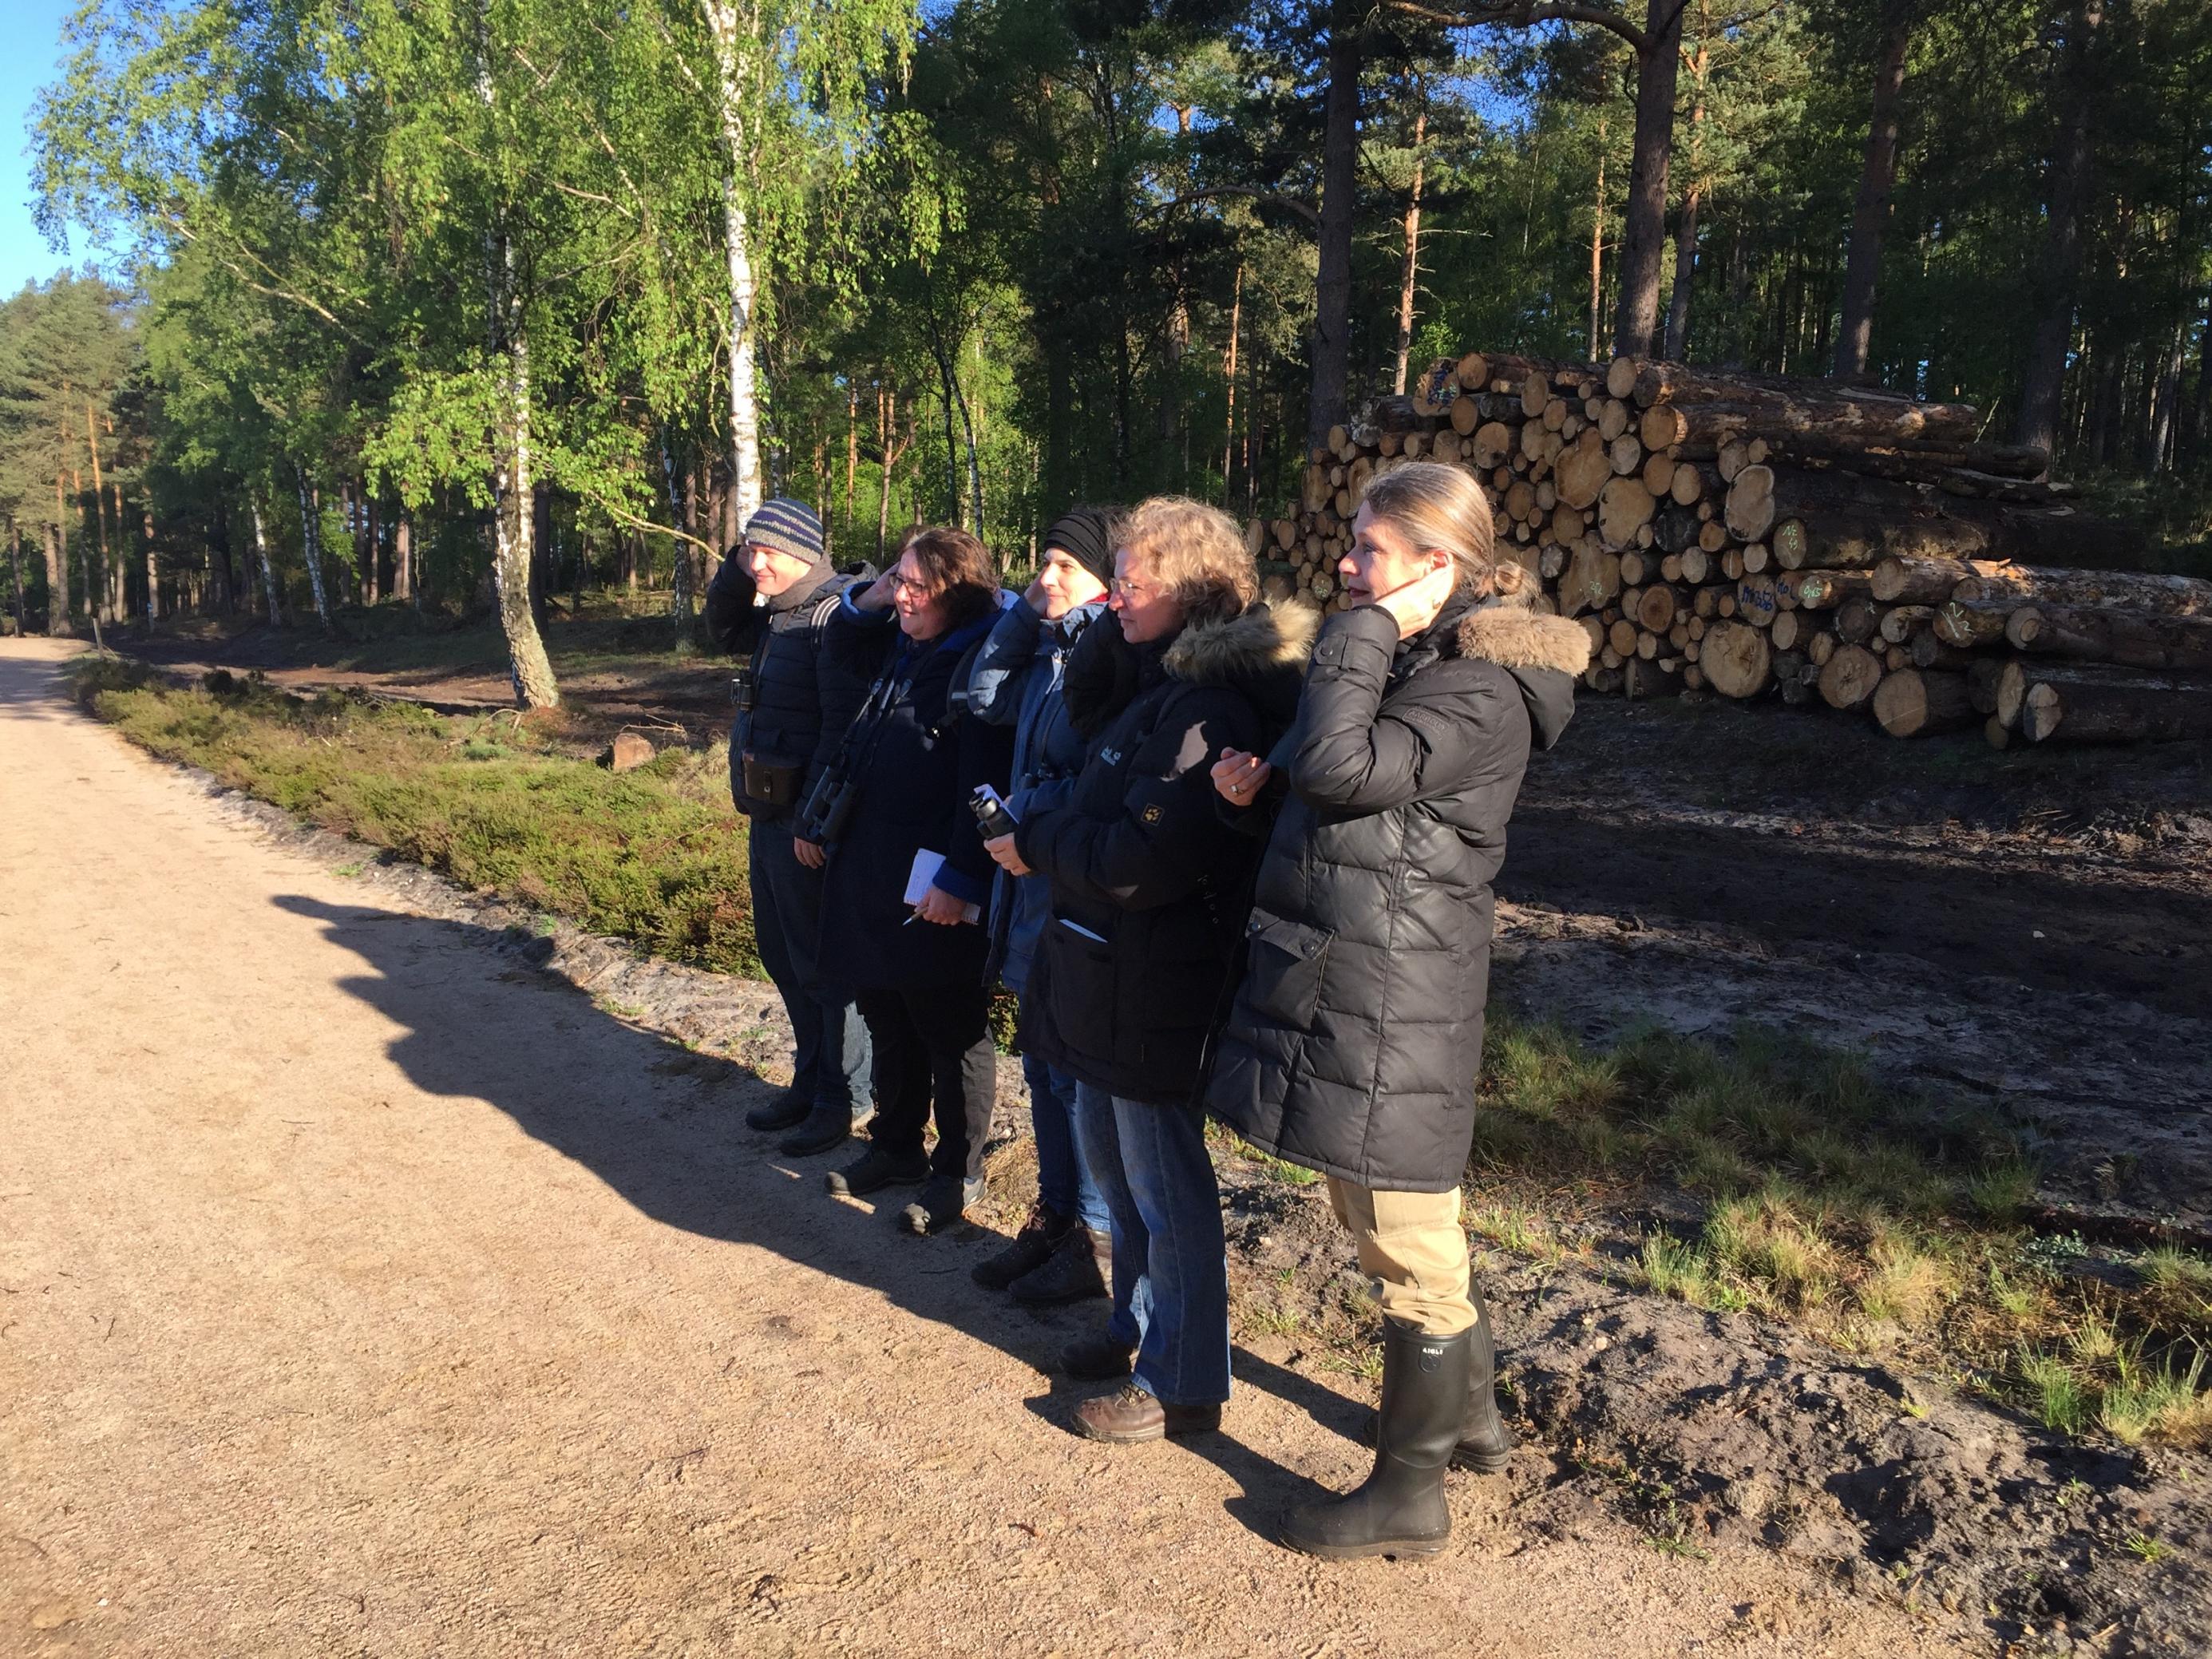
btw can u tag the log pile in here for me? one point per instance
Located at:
(1754, 536)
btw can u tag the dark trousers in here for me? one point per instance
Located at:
(934, 1049)
(829, 1063)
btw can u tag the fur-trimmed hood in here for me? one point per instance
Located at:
(1543, 653)
(1514, 638)
(1261, 652)
(1265, 639)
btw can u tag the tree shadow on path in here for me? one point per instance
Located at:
(663, 1125)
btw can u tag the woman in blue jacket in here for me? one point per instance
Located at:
(892, 811)
(1063, 1251)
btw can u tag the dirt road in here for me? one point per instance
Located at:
(358, 1294)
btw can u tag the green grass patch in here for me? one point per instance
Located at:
(1880, 1218)
(657, 854)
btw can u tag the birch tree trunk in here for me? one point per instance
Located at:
(268, 570)
(733, 51)
(153, 587)
(514, 521)
(310, 549)
(513, 502)
(679, 516)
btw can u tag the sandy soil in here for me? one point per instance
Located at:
(360, 1291)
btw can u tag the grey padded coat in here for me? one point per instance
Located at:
(1355, 1038)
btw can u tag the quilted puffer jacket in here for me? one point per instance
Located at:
(1354, 1042)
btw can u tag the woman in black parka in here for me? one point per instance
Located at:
(898, 790)
(1135, 964)
(1355, 1039)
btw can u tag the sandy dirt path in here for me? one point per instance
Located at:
(358, 1294)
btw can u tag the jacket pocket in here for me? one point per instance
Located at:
(1282, 981)
(1080, 989)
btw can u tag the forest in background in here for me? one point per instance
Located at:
(458, 304)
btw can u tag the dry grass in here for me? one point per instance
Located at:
(1883, 1221)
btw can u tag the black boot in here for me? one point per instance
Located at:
(943, 1204)
(1485, 1442)
(823, 1129)
(1076, 1271)
(1097, 1358)
(1028, 1250)
(1398, 1509)
(876, 1169)
(786, 1109)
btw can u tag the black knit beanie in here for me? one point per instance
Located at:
(1085, 534)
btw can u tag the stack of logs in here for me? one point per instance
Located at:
(1758, 534)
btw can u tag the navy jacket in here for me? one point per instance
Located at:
(802, 701)
(1016, 681)
(914, 754)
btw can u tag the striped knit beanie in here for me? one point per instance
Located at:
(787, 526)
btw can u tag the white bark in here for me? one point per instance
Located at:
(311, 548)
(734, 35)
(513, 497)
(268, 570)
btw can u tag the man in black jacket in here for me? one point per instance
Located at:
(770, 600)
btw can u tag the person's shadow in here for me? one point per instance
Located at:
(663, 1125)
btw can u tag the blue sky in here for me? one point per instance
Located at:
(34, 33)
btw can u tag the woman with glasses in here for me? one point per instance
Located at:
(1356, 1037)
(1133, 965)
(906, 875)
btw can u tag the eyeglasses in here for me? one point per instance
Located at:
(1129, 590)
(905, 584)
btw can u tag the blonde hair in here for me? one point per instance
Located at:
(1440, 507)
(1195, 553)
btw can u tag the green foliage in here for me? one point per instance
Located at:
(1002, 254)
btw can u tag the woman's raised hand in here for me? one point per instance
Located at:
(1239, 776)
(1417, 604)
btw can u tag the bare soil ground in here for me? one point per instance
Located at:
(375, 1277)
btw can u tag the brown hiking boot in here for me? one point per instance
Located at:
(1130, 1414)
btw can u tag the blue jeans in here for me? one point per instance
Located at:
(830, 1058)
(1171, 1259)
(1064, 1182)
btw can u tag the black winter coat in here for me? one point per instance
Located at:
(1355, 1040)
(1148, 882)
(915, 755)
(802, 701)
